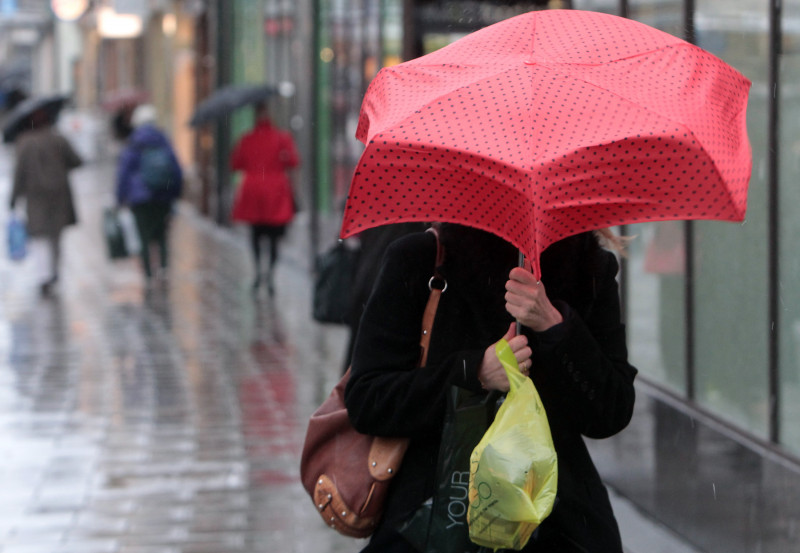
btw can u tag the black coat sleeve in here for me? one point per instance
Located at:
(388, 394)
(587, 369)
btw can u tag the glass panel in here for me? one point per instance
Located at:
(250, 59)
(346, 91)
(280, 29)
(446, 22)
(731, 259)
(656, 306)
(656, 286)
(603, 6)
(666, 15)
(392, 21)
(789, 229)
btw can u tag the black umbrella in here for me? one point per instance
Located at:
(229, 98)
(19, 119)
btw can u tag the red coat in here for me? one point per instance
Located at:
(265, 196)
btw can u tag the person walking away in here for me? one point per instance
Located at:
(121, 126)
(265, 199)
(44, 159)
(149, 181)
(571, 344)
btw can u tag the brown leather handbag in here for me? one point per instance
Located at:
(348, 473)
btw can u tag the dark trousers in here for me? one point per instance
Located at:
(152, 219)
(54, 243)
(273, 234)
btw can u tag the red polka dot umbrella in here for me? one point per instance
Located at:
(549, 124)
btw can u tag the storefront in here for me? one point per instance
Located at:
(712, 308)
(713, 311)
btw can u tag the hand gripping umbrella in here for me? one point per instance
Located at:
(549, 124)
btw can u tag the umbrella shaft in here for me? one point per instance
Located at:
(520, 263)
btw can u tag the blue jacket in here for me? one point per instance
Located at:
(131, 189)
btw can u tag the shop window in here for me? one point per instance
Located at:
(731, 265)
(656, 283)
(656, 306)
(602, 6)
(789, 229)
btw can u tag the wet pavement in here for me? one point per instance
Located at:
(167, 419)
(161, 420)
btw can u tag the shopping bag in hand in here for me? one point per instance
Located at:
(440, 524)
(114, 234)
(130, 234)
(333, 284)
(17, 239)
(513, 469)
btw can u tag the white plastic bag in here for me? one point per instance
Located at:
(129, 231)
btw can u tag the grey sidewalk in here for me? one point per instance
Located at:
(158, 421)
(168, 420)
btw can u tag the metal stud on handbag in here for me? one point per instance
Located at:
(346, 473)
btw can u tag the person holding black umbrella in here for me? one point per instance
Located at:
(265, 199)
(41, 176)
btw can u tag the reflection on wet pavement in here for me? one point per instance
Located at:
(158, 420)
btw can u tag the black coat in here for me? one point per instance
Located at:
(580, 370)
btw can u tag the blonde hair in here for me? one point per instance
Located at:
(613, 241)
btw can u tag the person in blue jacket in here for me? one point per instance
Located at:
(149, 181)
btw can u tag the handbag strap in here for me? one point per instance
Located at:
(437, 285)
(386, 454)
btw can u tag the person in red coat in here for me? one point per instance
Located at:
(265, 199)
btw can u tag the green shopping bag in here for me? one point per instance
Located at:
(440, 524)
(513, 469)
(114, 234)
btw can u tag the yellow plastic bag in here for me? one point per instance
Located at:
(513, 469)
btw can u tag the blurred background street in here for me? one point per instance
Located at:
(159, 420)
(169, 418)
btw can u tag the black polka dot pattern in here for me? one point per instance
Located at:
(549, 124)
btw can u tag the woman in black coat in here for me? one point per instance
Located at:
(572, 344)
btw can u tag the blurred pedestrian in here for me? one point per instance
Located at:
(149, 181)
(121, 125)
(44, 159)
(265, 199)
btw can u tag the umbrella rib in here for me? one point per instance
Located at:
(440, 96)
(681, 124)
(549, 65)
(617, 60)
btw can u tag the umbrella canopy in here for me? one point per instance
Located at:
(20, 117)
(549, 124)
(228, 99)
